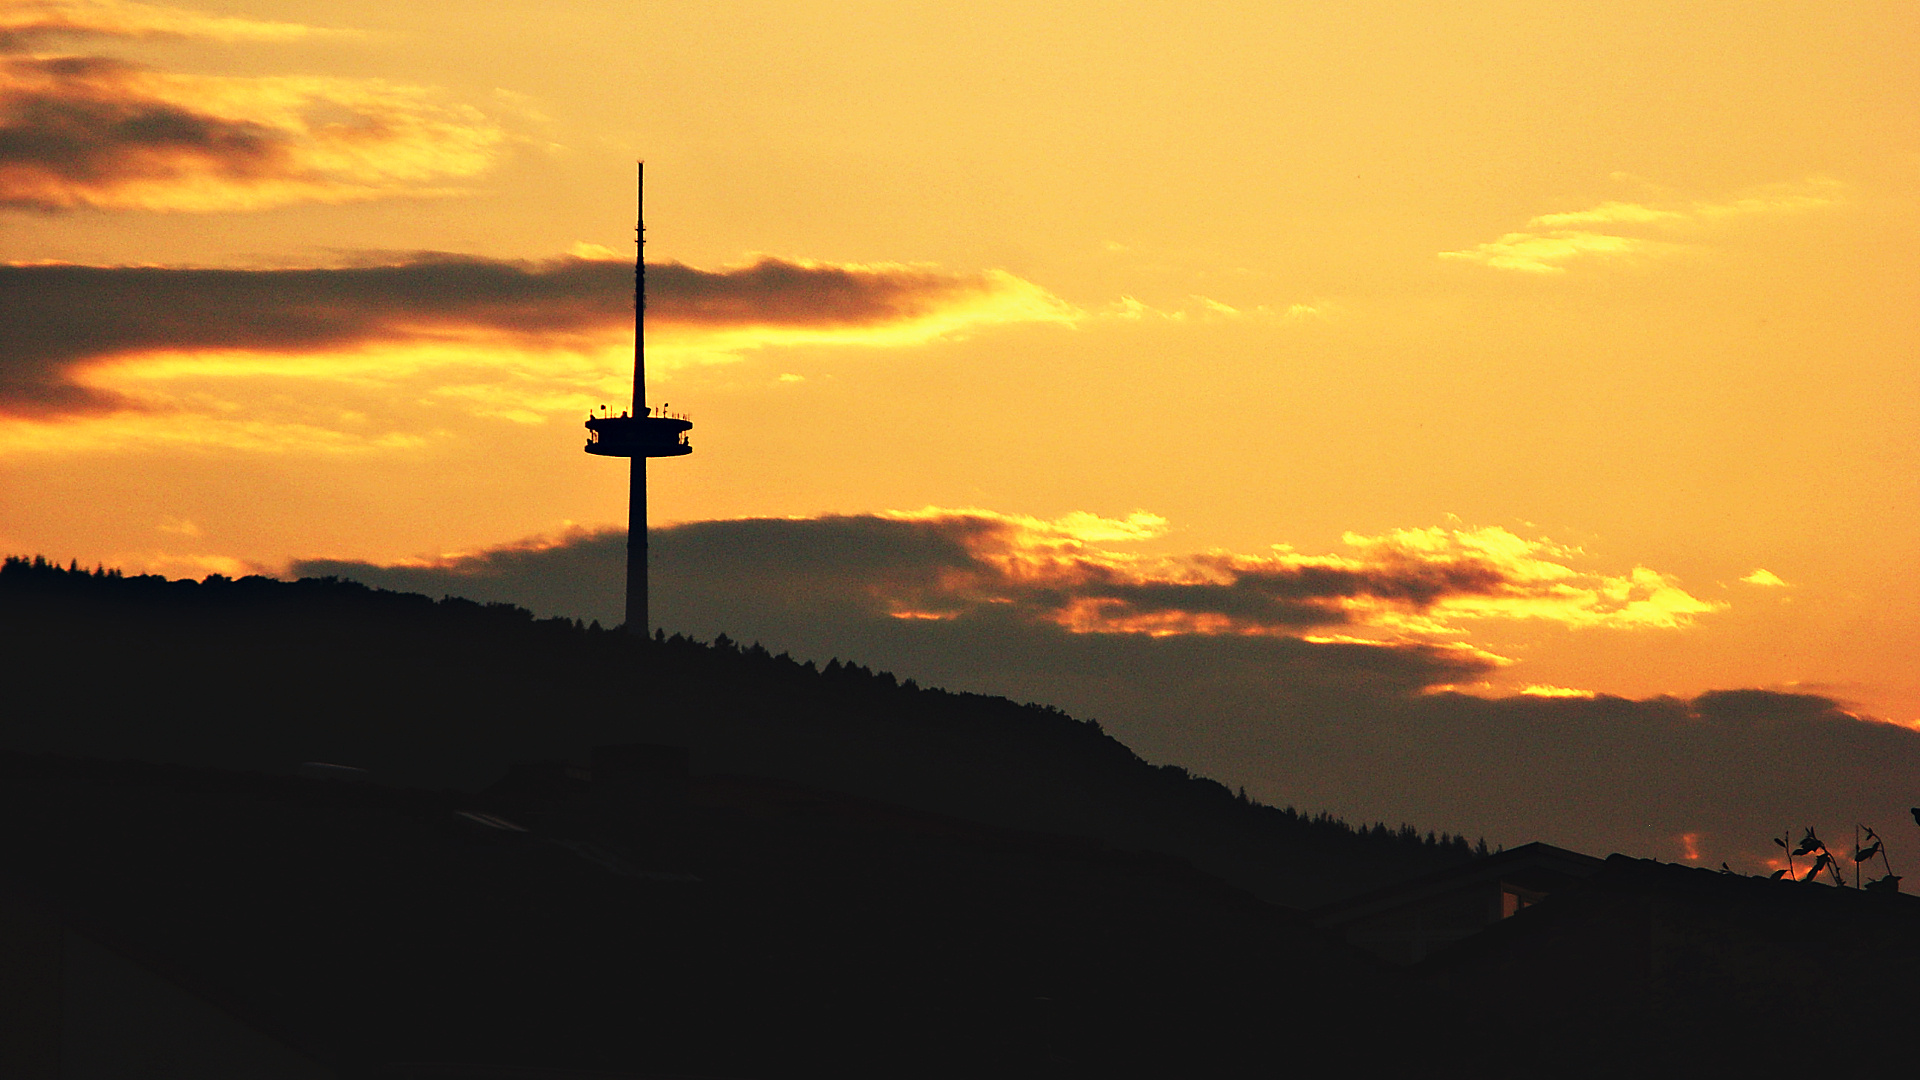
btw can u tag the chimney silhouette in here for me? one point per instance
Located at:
(641, 434)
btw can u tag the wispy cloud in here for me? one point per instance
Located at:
(522, 340)
(773, 301)
(199, 422)
(1419, 582)
(96, 132)
(1548, 691)
(1549, 252)
(1624, 229)
(1534, 579)
(1207, 309)
(1609, 213)
(93, 132)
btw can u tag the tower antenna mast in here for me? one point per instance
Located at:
(640, 435)
(640, 289)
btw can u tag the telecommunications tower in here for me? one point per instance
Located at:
(639, 435)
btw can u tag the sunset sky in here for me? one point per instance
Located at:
(1525, 349)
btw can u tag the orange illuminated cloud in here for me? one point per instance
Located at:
(714, 315)
(1546, 691)
(1624, 229)
(89, 131)
(1418, 582)
(1411, 587)
(79, 131)
(98, 339)
(1416, 585)
(1536, 581)
(802, 293)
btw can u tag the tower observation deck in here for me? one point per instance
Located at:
(645, 433)
(639, 436)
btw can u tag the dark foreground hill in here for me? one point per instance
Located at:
(855, 878)
(262, 675)
(757, 929)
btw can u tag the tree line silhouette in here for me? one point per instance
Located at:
(259, 673)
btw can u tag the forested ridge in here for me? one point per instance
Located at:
(263, 674)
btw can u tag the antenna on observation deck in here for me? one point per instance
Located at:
(639, 435)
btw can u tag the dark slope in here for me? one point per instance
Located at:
(767, 931)
(261, 674)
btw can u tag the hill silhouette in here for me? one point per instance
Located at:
(260, 674)
(761, 929)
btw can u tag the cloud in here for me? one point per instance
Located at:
(1413, 583)
(1363, 728)
(1766, 578)
(857, 584)
(1206, 309)
(91, 338)
(170, 564)
(62, 320)
(1609, 213)
(1548, 691)
(1408, 587)
(26, 21)
(1550, 241)
(94, 132)
(1545, 252)
(80, 131)
(799, 293)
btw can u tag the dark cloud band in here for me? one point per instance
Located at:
(1363, 730)
(779, 293)
(72, 124)
(974, 565)
(57, 319)
(82, 131)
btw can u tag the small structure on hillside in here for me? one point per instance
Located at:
(1658, 969)
(1401, 924)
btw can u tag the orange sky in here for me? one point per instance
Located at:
(1617, 298)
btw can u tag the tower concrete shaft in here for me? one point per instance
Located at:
(637, 616)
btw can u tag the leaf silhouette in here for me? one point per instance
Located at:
(1783, 843)
(1777, 875)
(1867, 853)
(1890, 883)
(1808, 846)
